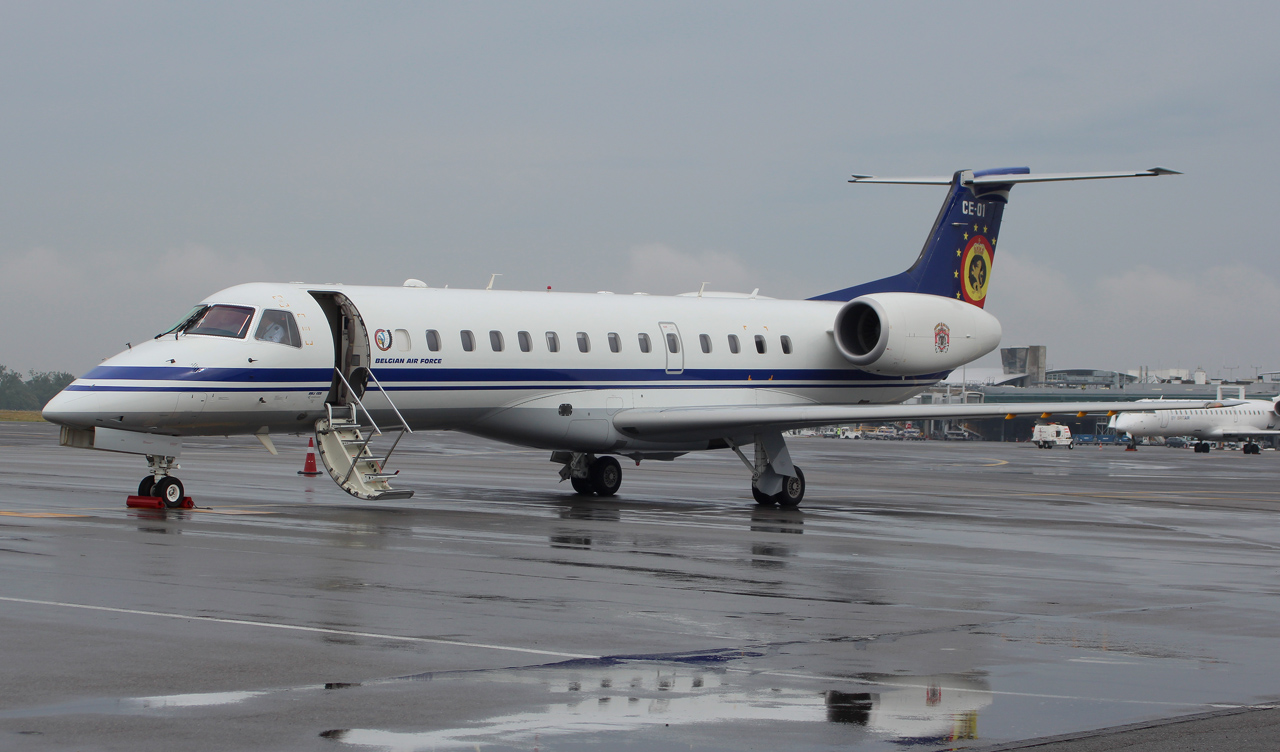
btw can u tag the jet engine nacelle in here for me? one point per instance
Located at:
(906, 333)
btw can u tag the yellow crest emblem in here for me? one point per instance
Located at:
(975, 270)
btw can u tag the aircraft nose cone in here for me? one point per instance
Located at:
(64, 411)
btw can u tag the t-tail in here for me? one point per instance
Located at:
(957, 258)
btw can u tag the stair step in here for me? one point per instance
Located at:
(379, 476)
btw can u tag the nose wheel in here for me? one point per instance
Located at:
(159, 484)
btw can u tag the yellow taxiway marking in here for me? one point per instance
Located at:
(994, 463)
(40, 514)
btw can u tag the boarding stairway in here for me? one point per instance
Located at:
(344, 446)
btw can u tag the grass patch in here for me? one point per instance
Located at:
(24, 416)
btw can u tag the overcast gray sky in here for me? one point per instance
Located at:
(153, 153)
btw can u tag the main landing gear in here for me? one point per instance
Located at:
(161, 484)
(1202, 447)
(1251, 448)
(790, 496)
(589, 474)
(774, 480)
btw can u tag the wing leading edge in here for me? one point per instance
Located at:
(691, 423)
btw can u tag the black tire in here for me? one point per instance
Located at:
(582, 486)
(792, 492)
(169, 489)
(605, 475)
(762, 498)
(147, 486)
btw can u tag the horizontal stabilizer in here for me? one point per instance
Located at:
(1013, 175)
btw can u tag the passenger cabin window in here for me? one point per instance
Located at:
(222, 321)
(495, 340)
(760, 344)
(526, 342)
(278, 326)
(734, 345)
(468, 340)
(433, 340)
(673, 343)
(645, 345)
(705, 341)
(584, 342)
(786, 345)
(615, 342)
(553, 342)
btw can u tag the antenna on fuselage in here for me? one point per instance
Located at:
(700, 289)
(492, 277)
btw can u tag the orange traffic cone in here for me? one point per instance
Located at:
(309, 467)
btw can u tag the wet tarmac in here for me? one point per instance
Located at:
(926, 595)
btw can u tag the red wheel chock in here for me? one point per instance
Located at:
(154, 502)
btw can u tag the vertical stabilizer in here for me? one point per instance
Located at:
(957, 258)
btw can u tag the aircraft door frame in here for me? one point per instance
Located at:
(352, 353)
(675, 360)
(1164, 418)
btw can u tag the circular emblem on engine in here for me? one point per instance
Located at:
(975, 270)
(382, 338)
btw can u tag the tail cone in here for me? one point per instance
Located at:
(309, 467)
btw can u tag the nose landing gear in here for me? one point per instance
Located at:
(160, 489)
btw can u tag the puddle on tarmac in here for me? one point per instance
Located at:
(630, 698)
(135, 705)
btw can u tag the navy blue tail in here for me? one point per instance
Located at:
(956, 259)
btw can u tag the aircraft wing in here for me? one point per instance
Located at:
(694, 423)
(1223, 432)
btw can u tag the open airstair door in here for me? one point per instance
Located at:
(344, 436)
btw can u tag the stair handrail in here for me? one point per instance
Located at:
(387, 457)
(377, 383)
(352, 392)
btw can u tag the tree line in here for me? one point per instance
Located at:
(34, 392)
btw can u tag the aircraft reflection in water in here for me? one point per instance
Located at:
(903, 709)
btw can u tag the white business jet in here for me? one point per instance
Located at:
(1246, 419)
(589, 377)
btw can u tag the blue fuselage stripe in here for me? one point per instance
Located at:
(606, 377)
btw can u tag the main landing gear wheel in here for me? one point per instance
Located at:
(790, 496)
(581, 485)
(169, 489)
(605, 476)
(147, 486)
(792, 492)
(1252, 448)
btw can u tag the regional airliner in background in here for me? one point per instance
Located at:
(1247, 419)
(589, 377)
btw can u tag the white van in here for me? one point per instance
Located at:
(1050, 435)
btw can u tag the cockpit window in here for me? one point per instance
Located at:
(278, 326)
(185, 321)
(222, 321)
